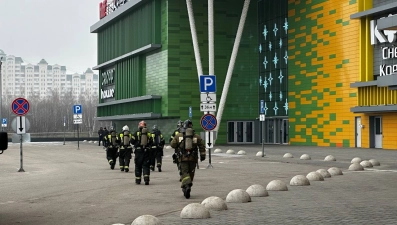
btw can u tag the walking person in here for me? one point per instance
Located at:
(189, 145)
(105, 134)
(142, 142)
(100, 136)
(113, 142)
(157, 149)
(175, 156)
(125, 150)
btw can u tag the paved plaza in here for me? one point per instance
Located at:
(63, 185)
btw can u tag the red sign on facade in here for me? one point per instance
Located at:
(102, 8)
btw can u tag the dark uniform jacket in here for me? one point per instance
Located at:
(136, 139)
(198, 147)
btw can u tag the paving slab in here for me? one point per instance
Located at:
(63, 185)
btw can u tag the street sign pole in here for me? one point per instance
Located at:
(263, 139)
(64, 125)
(209, 153)
(21, 156)
(78, 143)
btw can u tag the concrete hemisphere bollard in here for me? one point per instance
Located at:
(305, 157)
(230, 151)
(335, 171)
(329, 158)
(288, 155)
(85, 141)
(214, 203)
(218, 150)
(168, 147)
(356, 160)
(257, 190)
(314, 176)
(195, 211)
(366, 164)
(146, 220)
(260, 153)
(241, 152)
(356, 167)
(299, 180)
(95, 142)
(276, 185)
(324, 173)
(238, 196)
(90, 142)
(375, 162)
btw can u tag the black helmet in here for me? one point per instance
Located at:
(179, 124)
(187, 124)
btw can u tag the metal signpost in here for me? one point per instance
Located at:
(20, 107)
(64, 127)
(208, 105)
(208, 122)
(77, 119)
(262, 119)
(190, 113)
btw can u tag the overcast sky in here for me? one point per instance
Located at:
(55, 30)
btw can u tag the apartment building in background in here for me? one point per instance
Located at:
(44, 80)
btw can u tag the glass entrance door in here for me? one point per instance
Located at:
(284, 131)
(378, 132)
(240, 132)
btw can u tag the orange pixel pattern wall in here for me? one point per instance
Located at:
(323, 61)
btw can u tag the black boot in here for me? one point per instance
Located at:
(152, 168)
(137, 181)
(122, 169)
(186, 192)
(159, 168)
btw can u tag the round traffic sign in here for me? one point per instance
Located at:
(14, 124)
(20, 106)
(208, 122)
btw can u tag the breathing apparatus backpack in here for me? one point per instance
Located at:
(113, 138)
(126, 138)
(157, 138)
(144, 137)
(188, 139)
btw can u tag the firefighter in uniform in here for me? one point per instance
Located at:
(142, 142)
(157, 149)
(125, 149)
(113, 142)
(189, 145)
(175, 157)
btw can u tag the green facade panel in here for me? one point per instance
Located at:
(133, 31)
(138, 107)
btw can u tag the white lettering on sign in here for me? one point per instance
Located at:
(389, 53)
(109, 93)
(387, 70)
(108, 77)
(379, 36)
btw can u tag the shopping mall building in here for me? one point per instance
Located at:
(321, 71)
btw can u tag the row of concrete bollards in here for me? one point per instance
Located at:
(202, 211)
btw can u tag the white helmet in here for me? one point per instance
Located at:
(126, 128)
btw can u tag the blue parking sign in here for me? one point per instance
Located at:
(207, 83)
(4, 121)
(77, 109)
